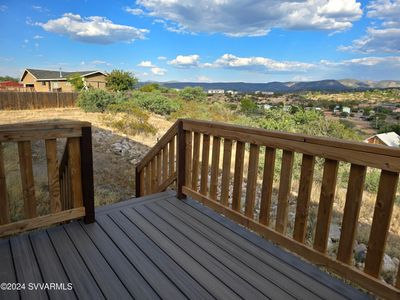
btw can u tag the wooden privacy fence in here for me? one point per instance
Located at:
(200, 177)
(11, 100)
(70, 183)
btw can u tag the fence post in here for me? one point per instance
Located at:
(181, 149)
(87, 174)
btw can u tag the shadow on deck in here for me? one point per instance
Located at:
(160, 247)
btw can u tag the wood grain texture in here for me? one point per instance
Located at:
(381, 222)
(188, 156)
(74, 163)
(251, 181)
(303, 199)
(215, 167)
(28, 186)
(4, 205)
(196, 161)
(153, 172)
(53, 175)
(267, 185)
(238, 177)
(181, 161)
(205, 157)
(159, 168)
(226, 172)
(172, 155)
(354, 194)
(165, 162)
(148, 179)
(285, 184)
(327, 197)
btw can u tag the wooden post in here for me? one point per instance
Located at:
(87, 174)
(138, 191)
(180, 153)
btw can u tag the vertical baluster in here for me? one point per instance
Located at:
(252, 181)
(165, 163)
(28, 188)
(381, 222)
(267, 185)
(204, 164)
(327, 197)
(303, 200)
(188, 157)
(153, 172)
(159, 169)
(53, 175)
(284, 191)
(142, 185)
(172, 156)
(148, 179)
(4, 205)
(397, 283)
(238, 176)
(226, 172)
(74, 163)
(351, 212)
(196, 159)
(215, 167)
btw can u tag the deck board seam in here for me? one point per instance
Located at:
(189, 254)
(241, 260)
(13, 264)
(149, 258)
(227, 253)
(325, 279)
(98, 250)
(122, 253)
(84, 262)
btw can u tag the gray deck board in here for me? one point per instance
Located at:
(159, 247)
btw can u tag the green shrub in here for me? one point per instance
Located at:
(157, 103)
(193, 94)
(96, 100)
(119, 80)
(128, 118)
(248, 106)
(151, 87)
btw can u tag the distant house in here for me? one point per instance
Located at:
(265, 93)
(216, 91)
(346, 109)
(56, 81)
(231, 92)
(391, 139)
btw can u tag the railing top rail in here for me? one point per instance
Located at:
(325, 141)
(166, 138)
(41, 130)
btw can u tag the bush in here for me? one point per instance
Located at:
(248, 106)
(157, 103)
(96, 100)
(151, 87)
(193, 94)
(76, 81)
(128, 118)
(119, 80)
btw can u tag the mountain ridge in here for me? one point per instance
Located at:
(327, 85)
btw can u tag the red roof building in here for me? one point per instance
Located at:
(6, 84)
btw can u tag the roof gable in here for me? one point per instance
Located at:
(50, 74)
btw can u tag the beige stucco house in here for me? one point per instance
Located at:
(56, 81)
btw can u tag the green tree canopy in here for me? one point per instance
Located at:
(76, 81)
(119, 80)
(193, 93)
(8, 78)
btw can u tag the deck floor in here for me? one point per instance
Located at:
(160, 247)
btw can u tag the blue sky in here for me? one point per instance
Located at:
(208, 40)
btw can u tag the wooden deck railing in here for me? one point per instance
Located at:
(70, 184)
(201, 179)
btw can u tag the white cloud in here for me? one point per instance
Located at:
(260, 64)
(185, 61)
(3, 7)
(146, 64)
(253, 17)
(385, 37)
(37, 37)
(161, 58)
(158, 71)
(39, 8)
(134, 11)
(203, 79)
(95, 29)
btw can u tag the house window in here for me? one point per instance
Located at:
(43, 82)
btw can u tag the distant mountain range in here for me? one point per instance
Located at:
(288, 87)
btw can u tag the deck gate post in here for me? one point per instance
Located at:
(181, 149)
(87, 174)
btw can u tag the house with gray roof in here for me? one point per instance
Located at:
(57, 81)
(391, 139)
